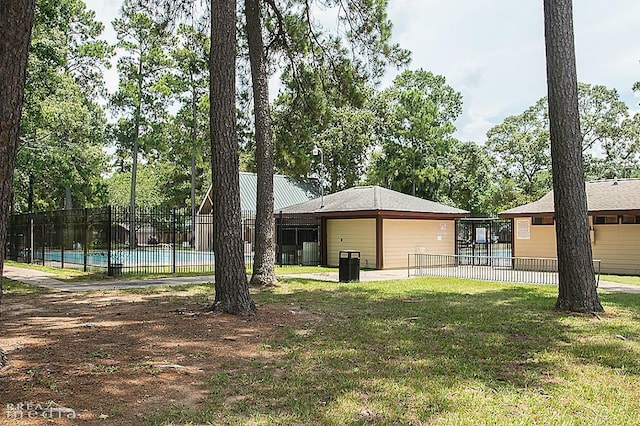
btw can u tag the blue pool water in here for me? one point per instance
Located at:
(128, 258)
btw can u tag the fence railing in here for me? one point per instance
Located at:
(528, 270)
(116, 241)
(113, 240)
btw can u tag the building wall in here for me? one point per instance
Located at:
(352, 234)
(404, 236)
(204, 232)
(541, 241)
(616, 246)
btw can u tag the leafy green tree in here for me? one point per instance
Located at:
(346, 141)
(190, 83)
(75, 30)
(520, 148)
(607, 133)
(151, 186)
(346, 134)
(143, 95)
(326, 59)
(61, 147)
(326, 78)
(63, 127)
(309, 105)
(417, 139)
(469, 184)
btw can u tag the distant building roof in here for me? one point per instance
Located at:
(286, 192)
(609, 195)
(372, 198)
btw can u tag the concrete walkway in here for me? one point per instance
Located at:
(43, 279)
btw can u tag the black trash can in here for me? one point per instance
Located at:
(349, 266)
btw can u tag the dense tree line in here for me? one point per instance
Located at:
(155, 150)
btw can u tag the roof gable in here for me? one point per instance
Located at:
(286, 192)
(372, 198)
(602, 196)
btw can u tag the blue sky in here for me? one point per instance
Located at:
(492, 51)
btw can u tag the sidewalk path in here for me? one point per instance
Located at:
(43, 279)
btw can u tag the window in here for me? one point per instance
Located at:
(605, 220)
(543, 220)
(630, 219)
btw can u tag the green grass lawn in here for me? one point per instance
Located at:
(432, 351)
(57, 273)
(74, 275)
(10, 287)
(624, 279)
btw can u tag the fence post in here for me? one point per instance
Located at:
(85, 250)
(408, 265)
(63, 229)
(31, 252)
(175, 240)
(279, 246)
(109, 269)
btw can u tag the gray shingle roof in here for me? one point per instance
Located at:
(372, 198)
(286, 192)
(602, 196)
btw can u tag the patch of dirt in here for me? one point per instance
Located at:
(113, 357)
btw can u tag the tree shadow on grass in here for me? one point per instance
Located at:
(351, 354)
(380, 358)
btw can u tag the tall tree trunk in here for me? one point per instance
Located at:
(194, 141)
(30, 193)
(16, 17)
(265, 257)
(232, 288)
(133, 241)
(577, 284)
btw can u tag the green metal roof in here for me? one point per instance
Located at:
(286, 192)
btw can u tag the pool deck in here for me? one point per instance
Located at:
(43, 279)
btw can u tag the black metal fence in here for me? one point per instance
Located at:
(491, 268)
(479, 238)
(116, 241)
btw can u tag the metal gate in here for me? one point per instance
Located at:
(298, 239)
(481, 240)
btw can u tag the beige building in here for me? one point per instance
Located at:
(614, 221)
(385, 226)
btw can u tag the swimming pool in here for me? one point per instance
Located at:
(131, 258)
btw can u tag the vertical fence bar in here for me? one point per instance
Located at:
(517, 270)
(31, 247)
(62, 237)
(85, 249)
(280, 239)
(175, 241)
(109, 228)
